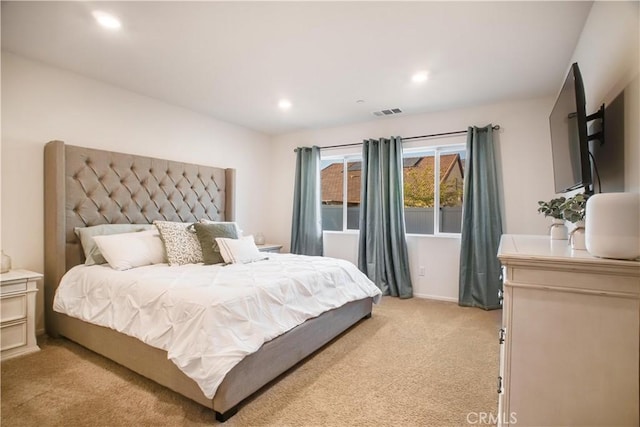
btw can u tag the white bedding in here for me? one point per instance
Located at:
(208, 318)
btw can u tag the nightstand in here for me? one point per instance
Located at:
(269, 247)
(17, 313)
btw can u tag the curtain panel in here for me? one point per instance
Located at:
(306, 224)
(382, 248)
(480, 277)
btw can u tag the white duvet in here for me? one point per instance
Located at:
(208, 318)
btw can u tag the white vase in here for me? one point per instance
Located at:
(558, 230)
(6, 263)
(613, 225)
(578, 237)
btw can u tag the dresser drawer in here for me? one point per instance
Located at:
(12, 288)
(13, 308)
(13, 335)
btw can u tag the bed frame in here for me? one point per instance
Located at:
(85, 187)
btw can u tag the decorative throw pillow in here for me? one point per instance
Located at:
(235, 224)
(181, 244)
(129, 250)
(91, 251)
(241, 250)
(207, 234)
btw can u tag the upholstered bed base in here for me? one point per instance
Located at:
(85, 187)
(250, 375)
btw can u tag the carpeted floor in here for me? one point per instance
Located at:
(414, 363)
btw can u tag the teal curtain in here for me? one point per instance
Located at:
(481, 224)
(306, 225)
(382, 249)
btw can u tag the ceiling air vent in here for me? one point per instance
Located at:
(388, 112)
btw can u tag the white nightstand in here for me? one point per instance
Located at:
(17, 313)
(269, 247)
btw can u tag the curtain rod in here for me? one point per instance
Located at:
(433, 135)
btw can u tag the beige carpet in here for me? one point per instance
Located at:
(414, 363)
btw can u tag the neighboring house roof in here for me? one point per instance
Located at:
(332, 184)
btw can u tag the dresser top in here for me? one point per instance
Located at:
(524, 248)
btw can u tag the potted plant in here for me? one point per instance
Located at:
(574, 210)
(553, 209)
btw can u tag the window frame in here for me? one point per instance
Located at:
(346, 158)
(436, 150)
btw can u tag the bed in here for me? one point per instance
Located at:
(86, 187)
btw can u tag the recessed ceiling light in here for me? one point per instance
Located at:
(106, 20)
(420, 77)
(284, 104)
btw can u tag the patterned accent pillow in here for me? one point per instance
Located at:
(181, 244)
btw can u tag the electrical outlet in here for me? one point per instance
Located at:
(421, 271)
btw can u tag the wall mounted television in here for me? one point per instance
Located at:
(569, 139)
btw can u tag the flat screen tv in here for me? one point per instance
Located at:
(569, 139)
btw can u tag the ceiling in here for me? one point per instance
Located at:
(235, 60)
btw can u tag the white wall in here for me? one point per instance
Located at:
(608, 53)
(524, 156)
(41, 103)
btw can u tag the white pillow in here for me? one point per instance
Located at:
(92, 254)
(129, 250)
(242, 250)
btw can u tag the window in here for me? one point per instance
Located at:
(331, 179)
(433, 183)
(425, 191)
(339, 214)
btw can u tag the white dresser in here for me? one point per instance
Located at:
(570, 343)
(17, 313)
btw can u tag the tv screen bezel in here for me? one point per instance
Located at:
(580, 108)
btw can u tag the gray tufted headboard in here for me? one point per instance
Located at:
(85, 187)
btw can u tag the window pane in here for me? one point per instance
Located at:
(418, 192)
(451, 186)
(331, 177)
(354, 173)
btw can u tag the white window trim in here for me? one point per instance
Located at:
(437, 151)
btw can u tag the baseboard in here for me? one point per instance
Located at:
(40, 332)
(436, 297)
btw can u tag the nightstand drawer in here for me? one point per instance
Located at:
(12, 288)
(13, 335)
(13, 308)
(269, 247)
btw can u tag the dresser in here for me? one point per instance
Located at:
(570, 340)
(18, 290)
